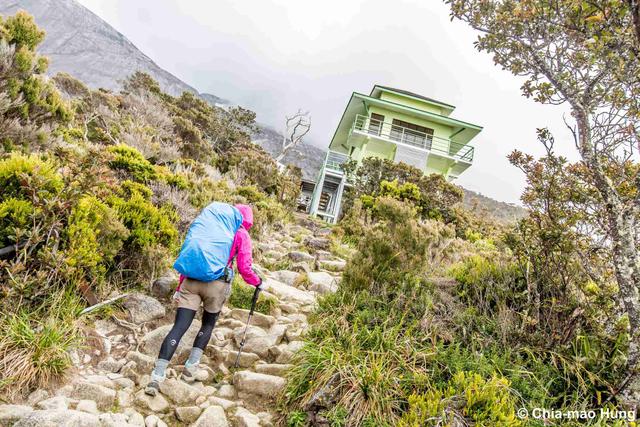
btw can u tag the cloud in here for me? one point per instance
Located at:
(275, 56)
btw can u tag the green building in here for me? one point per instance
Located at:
(396, 125)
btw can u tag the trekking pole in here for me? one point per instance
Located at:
(244, 336)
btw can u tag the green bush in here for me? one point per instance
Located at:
(251, 193)
(269, 213)
(95, 235)
(148, 225)
(39, 100)
(205, 191)
(398, 249)
(297, 419)
(172, 179)
(133, 162)
(468, 396)
(15, 215)
(129, 188)
(489, 283)
(431, 195)
(27, 176)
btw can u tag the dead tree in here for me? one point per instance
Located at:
(296, 127)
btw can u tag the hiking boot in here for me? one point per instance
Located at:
(189, 373)
(152, 388)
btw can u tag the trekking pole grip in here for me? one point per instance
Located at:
(254, 301)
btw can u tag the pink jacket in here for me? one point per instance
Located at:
(241, 248)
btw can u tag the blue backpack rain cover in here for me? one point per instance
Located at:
(205, 251)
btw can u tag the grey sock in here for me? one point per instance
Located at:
(194, 357)
(159, 371)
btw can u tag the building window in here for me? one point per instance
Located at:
(375, 123)
(411, 134)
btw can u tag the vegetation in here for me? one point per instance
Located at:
(428, 328)
(540, 315)
(97, 189)
(242, 295)
(441, 318)
(584, 55)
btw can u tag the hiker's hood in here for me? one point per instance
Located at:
(247, 215)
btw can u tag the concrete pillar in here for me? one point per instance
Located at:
(317, 192)
(338, 205)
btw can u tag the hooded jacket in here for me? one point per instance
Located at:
(241, 247)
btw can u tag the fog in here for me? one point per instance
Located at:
(275, 56)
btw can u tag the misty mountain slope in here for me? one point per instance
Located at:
(502, 212)
(307, 157)
(80, 43)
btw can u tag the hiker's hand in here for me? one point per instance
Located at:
(261, 284)
(176, 296)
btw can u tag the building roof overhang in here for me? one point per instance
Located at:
(377, 89)
(462, 132)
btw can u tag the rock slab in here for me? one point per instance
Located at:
(143, 308)
(268, 386)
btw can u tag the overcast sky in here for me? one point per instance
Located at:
(275, 56)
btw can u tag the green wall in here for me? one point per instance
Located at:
(380, 149)
(413, 103)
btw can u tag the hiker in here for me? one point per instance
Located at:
(205, 263)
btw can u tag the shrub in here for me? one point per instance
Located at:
(130, 160)
(242, 294)
(398, 249)
(432, 195)
(297, 419)
(468, 398)
(205, 191)
(489, 283)
(173, 179)
(267, 214)
(15, 215)
(251, 193)
(35, 100)
(27, 176)
(148, 225)
(95, 235)
(252, 166)
(129, 188)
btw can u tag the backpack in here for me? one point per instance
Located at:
(206, 249)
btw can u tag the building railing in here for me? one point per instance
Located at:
(334, 160)
(405, 135)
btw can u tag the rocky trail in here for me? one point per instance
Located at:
(106, 387)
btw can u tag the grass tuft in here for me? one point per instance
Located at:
(242, 294)
(34, 347)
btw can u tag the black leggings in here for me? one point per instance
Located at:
(184, 317)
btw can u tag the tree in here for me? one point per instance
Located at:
(28, 100)
(295, 129)
(436, 198)
(584, 54)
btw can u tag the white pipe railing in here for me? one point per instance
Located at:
(404, 135)
(334, 160)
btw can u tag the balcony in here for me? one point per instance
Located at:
(399, 134)
(334, 160)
